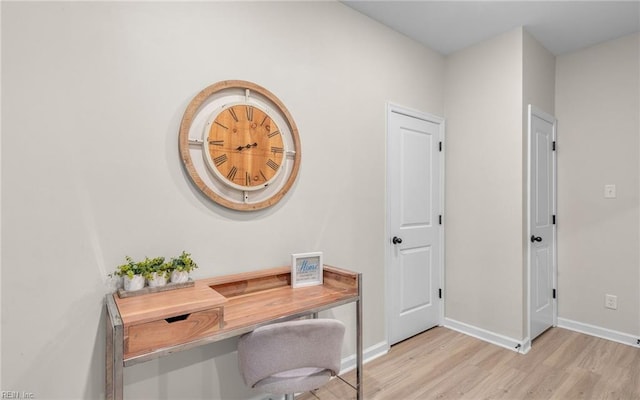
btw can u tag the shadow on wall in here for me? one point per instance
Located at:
(51, 361)
(95, 384)
(205, 372)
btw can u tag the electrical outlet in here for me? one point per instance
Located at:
(611, 301)
(609, 191)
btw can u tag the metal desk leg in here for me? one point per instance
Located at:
(114, 357)
(359, 370)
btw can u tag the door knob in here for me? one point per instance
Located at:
(396, 240)
(536, 239)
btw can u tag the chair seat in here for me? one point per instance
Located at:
(291, 357)
(295, 380)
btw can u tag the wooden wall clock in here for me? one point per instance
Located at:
(240, 145)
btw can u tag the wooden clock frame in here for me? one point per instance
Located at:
(218, 97)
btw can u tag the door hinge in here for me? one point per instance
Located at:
(439, 146)
(554, 293)
(440, 219)
(553, 218)
(553, 146)
(440, 293)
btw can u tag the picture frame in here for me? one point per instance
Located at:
(306, 269)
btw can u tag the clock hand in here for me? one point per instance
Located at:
(247, 146)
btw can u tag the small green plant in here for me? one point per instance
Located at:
(129, 269)
(148, 266)
(151, 265)
(183, 263)
(164, 269)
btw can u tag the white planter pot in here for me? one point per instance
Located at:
(157, 280)
(179, 276)
(135, 283)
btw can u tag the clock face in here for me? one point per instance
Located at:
(239, 145)
(244, 147)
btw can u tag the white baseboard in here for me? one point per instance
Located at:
(487, 336)
(526, 345)
(600, 332)
(370, 353)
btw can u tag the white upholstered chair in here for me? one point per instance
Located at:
(290, 357)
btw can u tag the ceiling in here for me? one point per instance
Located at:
(561, 26)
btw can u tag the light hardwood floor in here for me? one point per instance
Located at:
(444, 364)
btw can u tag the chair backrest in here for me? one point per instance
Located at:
(284, 346)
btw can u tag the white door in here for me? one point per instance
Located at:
(542, 232)
(414, 250)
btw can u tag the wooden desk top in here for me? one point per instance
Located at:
(273, 304)
(247, 299)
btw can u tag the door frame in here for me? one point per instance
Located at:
(388, 246)
(533, 110)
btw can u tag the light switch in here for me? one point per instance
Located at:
(609, 191)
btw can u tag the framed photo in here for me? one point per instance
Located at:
(306, 269)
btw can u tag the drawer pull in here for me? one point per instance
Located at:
(177, 318)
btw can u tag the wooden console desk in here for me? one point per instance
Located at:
(150, 326)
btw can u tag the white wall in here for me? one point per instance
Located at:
(484, 170)
(598, 109)
(539, 66)
(93, 94)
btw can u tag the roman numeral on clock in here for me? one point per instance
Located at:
(218, 161)
(247, 179)
(274, 133)
(273, 165)
(233, 114)
(276, 150)
(216, 142)
(232, 174)
(249, 113)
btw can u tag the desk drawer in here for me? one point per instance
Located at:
(150, 336)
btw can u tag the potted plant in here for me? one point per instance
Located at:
(181, 267)
(132, 274)
(156, 271)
